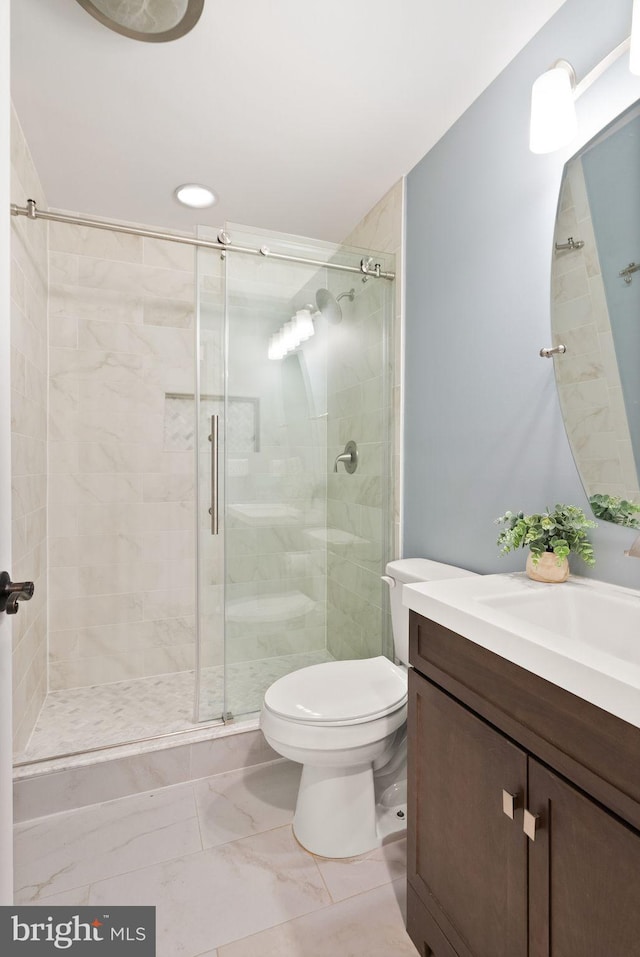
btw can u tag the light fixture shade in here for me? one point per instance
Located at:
(304, 325)
(290, 335)
(553, 112)
(277, 348)
(634, 50)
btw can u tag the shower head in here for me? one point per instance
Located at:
(328, 304)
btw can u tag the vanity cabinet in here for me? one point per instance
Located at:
(493, 748)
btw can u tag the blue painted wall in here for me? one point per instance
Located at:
(483, 430)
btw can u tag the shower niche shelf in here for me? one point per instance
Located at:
(283, 607)
(261, 513)
(335, 536)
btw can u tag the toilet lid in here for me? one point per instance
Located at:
(339, 691)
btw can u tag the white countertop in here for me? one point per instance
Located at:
(582, 635)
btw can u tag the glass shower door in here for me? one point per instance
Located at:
(292, 577)
(275, 475)
(210, 446)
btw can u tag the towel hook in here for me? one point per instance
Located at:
(550, 351)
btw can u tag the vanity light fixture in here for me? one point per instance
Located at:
(554, 121)
(195, 195)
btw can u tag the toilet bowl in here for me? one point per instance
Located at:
(345, 722)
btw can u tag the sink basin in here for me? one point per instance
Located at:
(606, 622)
(582, 635)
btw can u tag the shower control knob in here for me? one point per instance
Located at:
(13, 592)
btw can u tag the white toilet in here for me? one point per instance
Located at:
(344, 721)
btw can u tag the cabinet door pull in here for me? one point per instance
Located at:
(530, 824)
(509, 803)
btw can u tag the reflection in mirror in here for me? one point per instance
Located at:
(595, 313)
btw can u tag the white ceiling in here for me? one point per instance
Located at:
(301, 114)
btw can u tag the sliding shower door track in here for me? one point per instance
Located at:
(367, 267)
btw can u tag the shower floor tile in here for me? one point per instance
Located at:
(81, 719)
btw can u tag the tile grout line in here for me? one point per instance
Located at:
(195, 801)
(331, 898)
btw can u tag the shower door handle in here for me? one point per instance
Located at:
(213, 438)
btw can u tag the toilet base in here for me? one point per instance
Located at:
(336, 814)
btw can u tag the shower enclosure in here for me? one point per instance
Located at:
(199, 542)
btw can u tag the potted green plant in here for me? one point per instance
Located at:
(550, 536)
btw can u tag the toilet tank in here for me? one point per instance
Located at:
(405, 571)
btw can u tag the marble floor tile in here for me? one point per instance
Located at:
(244, 802)
(354, 875)
(208, 899)
(236, 896)
(367, 925)
(72, 849)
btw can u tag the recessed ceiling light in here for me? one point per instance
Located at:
(192, 194)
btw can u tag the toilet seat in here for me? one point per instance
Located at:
(339, 693)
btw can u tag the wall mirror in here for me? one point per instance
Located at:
(595, 313)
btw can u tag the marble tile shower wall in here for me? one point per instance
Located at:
(28, 439)
(588, 376)
(360, 408)
(121, 487)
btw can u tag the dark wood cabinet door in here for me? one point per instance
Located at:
(467, 859)
(584, 874)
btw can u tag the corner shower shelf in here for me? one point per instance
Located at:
(264, 513)
(281, 607)
(335, 536)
